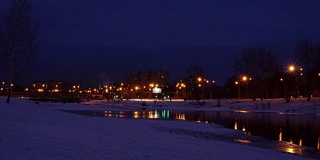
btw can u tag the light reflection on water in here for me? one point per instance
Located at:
(295, 130)
(318, 146)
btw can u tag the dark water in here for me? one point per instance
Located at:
(299, 130)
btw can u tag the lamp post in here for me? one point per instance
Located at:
(211, 89)
(181, 87)
(244, 79)
(200, 93)
(237, 83)
(292, 70)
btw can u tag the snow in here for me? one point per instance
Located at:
(296, 106)
(40, 131)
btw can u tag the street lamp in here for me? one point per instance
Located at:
(244, 78)
(291, 68)
(181, 86)
(237, 83)
(211, 89)
(199, 79)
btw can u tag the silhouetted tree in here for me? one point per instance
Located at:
(308, 55)
(195, 71)
(18, 39)
(2, 50)
(259, 64)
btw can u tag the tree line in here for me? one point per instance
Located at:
(300, 76)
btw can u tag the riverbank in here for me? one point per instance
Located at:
(296, 106)
(32, 130)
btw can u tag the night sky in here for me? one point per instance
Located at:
(102, 41)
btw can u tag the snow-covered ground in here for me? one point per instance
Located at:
(40, 131)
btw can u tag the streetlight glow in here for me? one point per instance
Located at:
(244, 78)
(291, 68)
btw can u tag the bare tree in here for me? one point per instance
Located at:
(19, 39)
(308, 55)
(195, 71)
(2, 49)
(257, 63)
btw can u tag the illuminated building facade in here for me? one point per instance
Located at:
(142, 84)
(54, 87)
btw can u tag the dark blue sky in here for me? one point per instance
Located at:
(91, 41)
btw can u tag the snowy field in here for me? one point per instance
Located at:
(40, 131)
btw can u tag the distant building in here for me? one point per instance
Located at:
(52, 86)
(195, 87)
(55, 91)
(143, 84)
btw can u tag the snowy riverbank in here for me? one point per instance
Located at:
(296, 106)
(40, 131)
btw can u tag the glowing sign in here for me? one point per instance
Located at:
(156, 90)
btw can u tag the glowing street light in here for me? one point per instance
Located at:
(199, 79)
(291, 68)
(244, 78)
